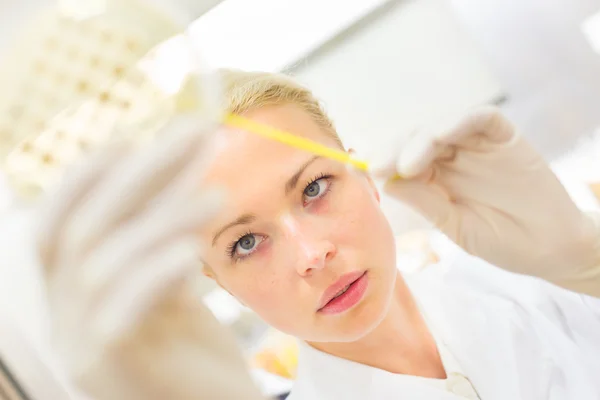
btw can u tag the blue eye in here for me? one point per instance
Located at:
(245, 245)
(313, 189)
(316, 189)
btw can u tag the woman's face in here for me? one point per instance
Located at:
(296, 230)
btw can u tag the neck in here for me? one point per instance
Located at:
(401, 343)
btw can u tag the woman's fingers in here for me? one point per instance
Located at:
(441, 142)
(424, 196)
(487, 121)
(186, 184)
(148, 280)
(106, 319)
(126, 246)
(435, 143)
(417, 155)
(80, 179)
(140, 179)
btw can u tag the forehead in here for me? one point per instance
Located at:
(245, 159)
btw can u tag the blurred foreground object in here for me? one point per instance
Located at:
(121, 267)
(114, 245)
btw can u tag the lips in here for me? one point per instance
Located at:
(339, 288)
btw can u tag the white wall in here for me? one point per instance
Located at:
(543, 59)
(408, 64)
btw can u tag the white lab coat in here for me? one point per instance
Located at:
(514, 338)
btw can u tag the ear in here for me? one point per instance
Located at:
(208, 272)
(370, 181)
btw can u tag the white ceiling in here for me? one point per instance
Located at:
(269, 35)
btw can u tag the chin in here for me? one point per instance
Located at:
(368, 315)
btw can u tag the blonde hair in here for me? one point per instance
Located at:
(246, 91)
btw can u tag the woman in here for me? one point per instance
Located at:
(303, 242)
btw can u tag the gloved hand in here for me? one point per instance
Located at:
(488, 190)
(117, 242)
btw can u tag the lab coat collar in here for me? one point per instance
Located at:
(326, 377)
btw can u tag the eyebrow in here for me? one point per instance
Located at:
(249, 218)
(242, 220)
(293, 181)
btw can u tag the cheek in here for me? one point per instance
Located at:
(272, 293)
(259, 290)
(363, 230)
(359, 214)
(273, 300)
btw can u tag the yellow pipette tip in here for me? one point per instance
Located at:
(298, 142)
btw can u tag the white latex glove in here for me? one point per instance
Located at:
(487, 189)
(118, 245)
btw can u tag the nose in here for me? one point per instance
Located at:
(312, 249)
(314, 255)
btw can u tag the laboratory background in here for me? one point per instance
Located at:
(383, 68)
